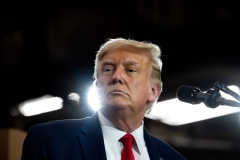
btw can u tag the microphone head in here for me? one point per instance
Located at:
(188, 94)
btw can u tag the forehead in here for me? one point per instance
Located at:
(122, 56)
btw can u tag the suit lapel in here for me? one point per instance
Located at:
(91, 139)
(151, 147)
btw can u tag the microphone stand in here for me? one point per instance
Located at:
(213, 97)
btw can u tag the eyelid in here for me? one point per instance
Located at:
(109, 67)
(132, 69)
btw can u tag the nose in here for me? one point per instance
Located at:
(118, 76)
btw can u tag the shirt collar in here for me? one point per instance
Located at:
(112, 134)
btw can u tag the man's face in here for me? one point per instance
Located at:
(123, 81)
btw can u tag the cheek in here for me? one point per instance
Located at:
(101, 89)
(101, 84)
(141, 88)
(142, 83)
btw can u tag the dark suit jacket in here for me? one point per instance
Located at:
(81, 139)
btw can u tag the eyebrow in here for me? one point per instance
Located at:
(108, 63)
(128, 63)
(131, 63)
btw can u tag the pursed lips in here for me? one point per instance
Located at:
(117, 91)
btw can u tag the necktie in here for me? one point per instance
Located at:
(127, 141)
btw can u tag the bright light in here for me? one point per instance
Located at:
(93, 100)
(175, 112)
(74, 97)
(40, 105)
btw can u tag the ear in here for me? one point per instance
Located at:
(154, 93)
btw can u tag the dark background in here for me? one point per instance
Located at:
(49, 48)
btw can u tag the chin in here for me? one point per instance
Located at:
(115, 105)
(116, 102)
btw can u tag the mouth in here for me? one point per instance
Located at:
(117, 92)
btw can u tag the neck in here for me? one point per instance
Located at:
(123, 120)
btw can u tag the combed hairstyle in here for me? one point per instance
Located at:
(151, 50)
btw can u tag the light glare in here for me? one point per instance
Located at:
(175, 112)
(40, 105)
(74, 97)
(93, 99)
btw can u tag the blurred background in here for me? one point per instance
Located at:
(48, 48)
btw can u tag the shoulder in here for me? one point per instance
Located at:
(58, 128)
(64, 124)
(48, 139)
(161, 144)
(165, 149)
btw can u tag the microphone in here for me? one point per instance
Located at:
(190, 94)
(212, 98)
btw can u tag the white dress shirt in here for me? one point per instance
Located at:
(113, 147)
